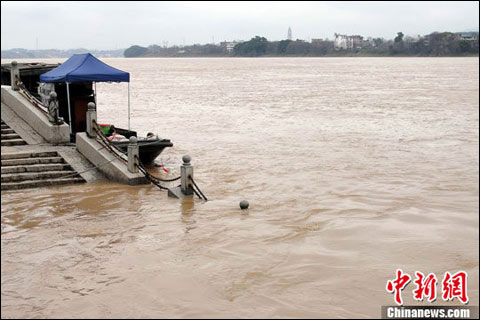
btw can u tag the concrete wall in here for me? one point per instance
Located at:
(55, 134)
(100, 157)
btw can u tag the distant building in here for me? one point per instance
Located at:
(229, 45)
(289, 35)
(347, 42)
(340, 42)
(356, 42)
(468, 36)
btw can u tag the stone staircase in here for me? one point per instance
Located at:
(35, 169)
(10, 137)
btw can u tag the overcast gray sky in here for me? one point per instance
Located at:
(111, 25)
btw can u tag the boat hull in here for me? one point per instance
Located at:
(148, 149)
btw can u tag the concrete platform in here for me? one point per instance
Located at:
(108, 164)
(77, 161)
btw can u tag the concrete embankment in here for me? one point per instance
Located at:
(28, 160)
(54, 134)
(37, 153)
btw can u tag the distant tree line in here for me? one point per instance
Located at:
(19, 53)
(434, 44)
(195, 50)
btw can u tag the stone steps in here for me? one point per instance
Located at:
(39, 183)
(7, 131)
(14, 142)
(22, 155)
(30, 161)
(9, 137)
(24, 176)
(36, 169)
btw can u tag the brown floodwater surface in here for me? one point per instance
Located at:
(353, 167)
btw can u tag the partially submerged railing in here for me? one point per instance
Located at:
(187, 187)
(27, 95)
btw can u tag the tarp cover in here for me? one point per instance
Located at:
(84, 68)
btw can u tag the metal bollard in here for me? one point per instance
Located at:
(14, 75)
(91, 116)
(132, 153)
(186, 170)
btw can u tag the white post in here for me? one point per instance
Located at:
(132, 152)
(129, 105)
(185, 189)
(186, 170)
(95, 94)
(91, 116)
(14, 75)
(69, 112)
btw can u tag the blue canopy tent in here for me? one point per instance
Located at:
(86, 68)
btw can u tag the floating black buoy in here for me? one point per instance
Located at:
(244, 204)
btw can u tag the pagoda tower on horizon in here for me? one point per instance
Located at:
(289, 35)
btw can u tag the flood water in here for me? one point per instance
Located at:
(353, 167)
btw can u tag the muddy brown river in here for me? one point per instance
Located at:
(353, 167)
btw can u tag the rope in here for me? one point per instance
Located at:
(166, 180)
(26, 94)
(151, 178)
(193, 181)
(197, 193)
(156, 180)
(114, 150)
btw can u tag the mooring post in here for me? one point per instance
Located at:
(185, 189)
(132, 154)
(14, 75)
(186, 170)
(91, 117)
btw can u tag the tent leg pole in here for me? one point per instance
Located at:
(129, 106)
(95, 94)
(69, 111)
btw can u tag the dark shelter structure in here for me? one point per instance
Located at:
(74, 81)
(29, 73)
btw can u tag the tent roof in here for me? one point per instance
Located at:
(84, 68)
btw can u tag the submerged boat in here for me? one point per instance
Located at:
(74, 82)
(149, 148)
